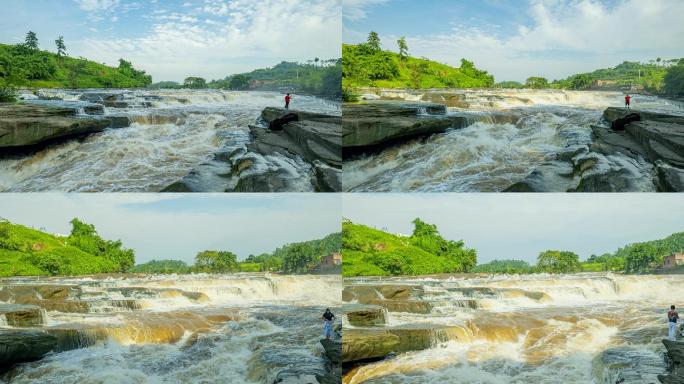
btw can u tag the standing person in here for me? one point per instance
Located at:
(672, 317)
(327, 328)
(627, 98)
(287, 101)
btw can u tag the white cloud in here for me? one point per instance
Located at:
(181, 45)
(97, 5)
(565, 37)
(356, 9)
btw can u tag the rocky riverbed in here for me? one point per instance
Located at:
(510, 140)
(149, 141)
(585, 328)
(148, 329)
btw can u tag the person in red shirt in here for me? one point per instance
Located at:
(287, 101)
(627, 98)
(672, 317)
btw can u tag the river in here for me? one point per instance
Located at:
(172, 132)
(244, 328)
(510, 133)
(585, 328)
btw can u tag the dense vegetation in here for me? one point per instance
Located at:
(367, 65)
(302, 257)
(372, 252)
(504, 266)
(25, 251)
(24, 65)
(643, 257)
(161, 266)
(665, 77)
(315, 77)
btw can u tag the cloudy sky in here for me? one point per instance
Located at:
(519, 225)
(177, 226)
(174, 39)
(514, 40)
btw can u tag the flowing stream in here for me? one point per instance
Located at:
(584, 328)
(172, 132)
(252, 328)
(510, 133)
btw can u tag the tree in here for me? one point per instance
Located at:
(536, 82)
(31, 41)
(300, 258)
(85, 237)
(194, 83)
(403, 48)
(61, 48)
(423, 229)
(316, 60)
(673, 82)
(216, 262)
(373, 41)
(641, 257)
(553, 261)
(238, 82)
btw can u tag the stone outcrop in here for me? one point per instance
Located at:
(29, 125)
(375, 125)
(642, 152)
(309, 139)
(22, 346)
(675, 355)
(17, 315)
(360, 315)
(361, 344)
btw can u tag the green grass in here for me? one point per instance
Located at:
(371, 252)
(29, 252)
(363, 67)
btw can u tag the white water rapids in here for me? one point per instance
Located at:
(545, 329)
(512, 132)
(244, 328)
(173, 131)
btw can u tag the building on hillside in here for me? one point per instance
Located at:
(673, 261)
(332, 261)
(603, 83)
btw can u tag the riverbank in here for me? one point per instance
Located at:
(148, 140)
(257, 328)
(505, 139)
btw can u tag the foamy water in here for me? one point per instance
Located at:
(245, 328)
(535, 329)
(173, 131)
(512, 132)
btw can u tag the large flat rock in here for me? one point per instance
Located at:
(26, 125)
(24, 345)
(380, 123)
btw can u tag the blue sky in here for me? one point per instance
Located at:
(520, 225)
(177, 226)
(517, 39)
(173, 39)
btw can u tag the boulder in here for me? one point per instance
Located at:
(375, 125)
(409, 306)
(278, 123)
(17, 315)
(25, 345)
(360, 344)
(675, 355)
(26, 125)
(333, 350)
(360, 315)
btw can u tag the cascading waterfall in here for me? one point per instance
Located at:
(171, 133)
(511, 133)
(586, 328)
(234, 328)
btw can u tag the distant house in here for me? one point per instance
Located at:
(332, 261)
(603, 83)
(673, 261)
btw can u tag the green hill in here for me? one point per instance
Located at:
(366, 65)
(27, 252)
(23, 66)
(322, 79)
(372, 252)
